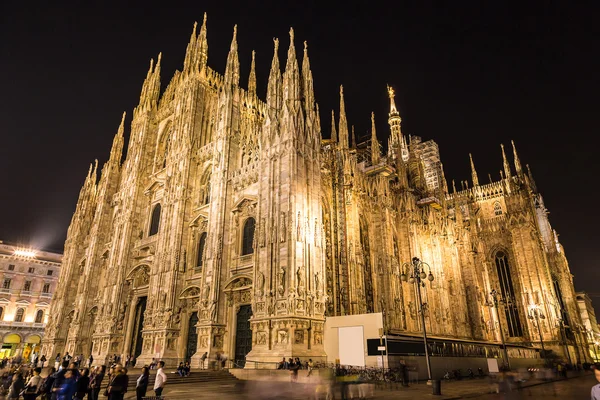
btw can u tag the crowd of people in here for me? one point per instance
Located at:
(73, 379)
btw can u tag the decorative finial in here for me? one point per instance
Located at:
(391, 92)
(276, 44)
(204, 20)
(341, 90)
(291, 34)
(305, 45)
(234, 31)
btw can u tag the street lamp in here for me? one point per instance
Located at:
(535, 312)
(496, 300)
(414, 273)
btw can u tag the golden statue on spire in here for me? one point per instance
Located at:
(392, 94)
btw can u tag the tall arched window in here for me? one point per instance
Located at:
(508, 292)
(155, 220)
(39, 316)
(248, 236)
(19, 315)
(201, 246)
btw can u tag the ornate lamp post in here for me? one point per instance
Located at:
(535, 312)
(414, 273)
(497, 299)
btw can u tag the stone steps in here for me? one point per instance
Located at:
(221, 378)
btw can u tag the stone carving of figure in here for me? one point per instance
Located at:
(300, 274)
(213, 311)
(260, 283)
(282, 228)
(281, 279)
(205, 292)
(317, 280)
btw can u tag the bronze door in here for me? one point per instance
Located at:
(192, 339)
(243, 335)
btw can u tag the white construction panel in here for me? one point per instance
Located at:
(351, 342)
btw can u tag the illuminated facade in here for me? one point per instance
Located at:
(233, 225)
(590, 324)
(29, 279)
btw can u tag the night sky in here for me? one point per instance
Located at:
(468, 76)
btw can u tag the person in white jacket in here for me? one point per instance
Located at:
(161, 379)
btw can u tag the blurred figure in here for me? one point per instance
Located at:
(66, 389)
(96, 382)
(596, 388)
(16, 387)
(33, 386)
(142, 384)
(118, 384)
(203, 359)
(83, 384)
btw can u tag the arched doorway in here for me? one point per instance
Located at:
(9, 345)
(243, 335)
(32, 344)
(192, 338)
(138, 325)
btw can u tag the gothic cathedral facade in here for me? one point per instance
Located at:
(232, 225)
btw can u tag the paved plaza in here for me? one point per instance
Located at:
(574, 388)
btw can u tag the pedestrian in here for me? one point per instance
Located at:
(42, 361)
(47, 384)
(57, 361)
(83, 384)
(34, 385)
(203, 359)
(96, 382)
(160, 380)
(118, 384)
(310, 365)
(596, 388)
(66, 389)
(142, 384)
(90, 361)
(16, 387)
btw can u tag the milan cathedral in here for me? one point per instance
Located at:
(232, 225)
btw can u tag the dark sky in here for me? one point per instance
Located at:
(469, 76)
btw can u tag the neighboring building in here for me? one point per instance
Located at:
(29, 278)
(590, 323)
(233, 226)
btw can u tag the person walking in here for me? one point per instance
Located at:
(34, 385)
(90, 361)
(160, 380)
(203, 359)
(142, 384)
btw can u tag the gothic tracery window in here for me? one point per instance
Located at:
(201, 246)
(497, 208)
(248, 236)
(513, 319)
(154, 220)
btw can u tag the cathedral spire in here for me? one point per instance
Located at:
(307, 80)
(190, 53)
(274, 87)
(353, 138)
(394, 120)
(506, 164)
(375, 151)
(474, 176)
(443, 178)
(252, 77)
(291, 76)
(343, 124)
(333, 132)
(151, 86)
(516, 157)
(318, 120)
(202, 45)
(232, 70)
(116, 150)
